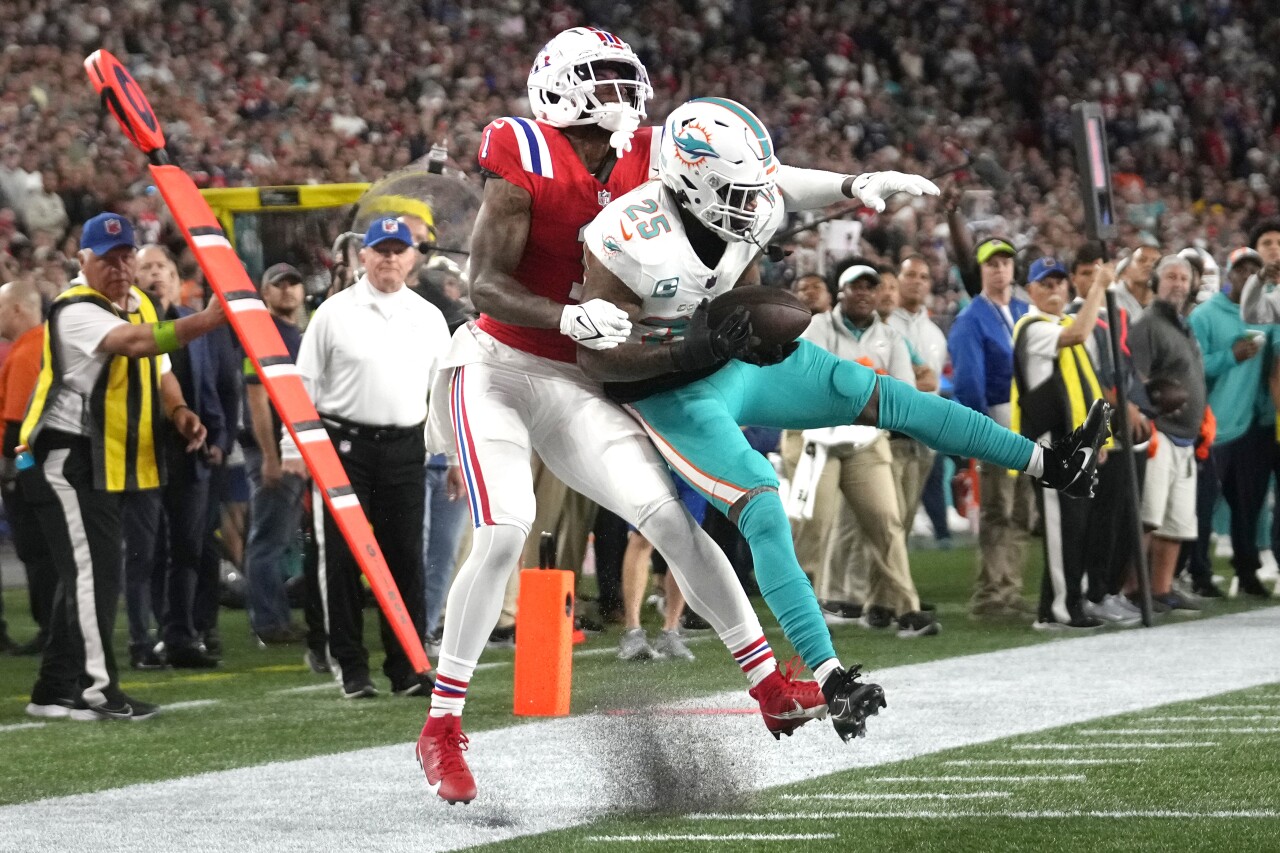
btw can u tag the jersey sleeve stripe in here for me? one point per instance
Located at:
(535, 156)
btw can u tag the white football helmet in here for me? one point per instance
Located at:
(570, 70)
(717, 158)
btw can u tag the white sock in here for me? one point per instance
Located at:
(1036, 466)
(825, 669)
(453, 677)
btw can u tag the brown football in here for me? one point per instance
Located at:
(777, 316)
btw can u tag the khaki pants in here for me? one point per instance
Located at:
(1005, 518)
(560, 511)
(828, 544)
(912, 462)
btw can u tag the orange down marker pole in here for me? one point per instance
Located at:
(544, 638)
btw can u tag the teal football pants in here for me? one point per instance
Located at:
(696, 428)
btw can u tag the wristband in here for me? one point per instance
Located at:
(166, 335)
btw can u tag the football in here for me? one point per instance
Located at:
(777, 316)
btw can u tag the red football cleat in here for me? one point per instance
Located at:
(440, 748)
(787, 704)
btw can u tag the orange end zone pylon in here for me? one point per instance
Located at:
(257, 333)
(544, 638)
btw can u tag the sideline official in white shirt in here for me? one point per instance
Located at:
(367, 359)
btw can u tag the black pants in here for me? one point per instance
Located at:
(82, 528)
(184, 498)
(1066, 531)
(1194, 557)
(33, 550)
(1109, 545)
(1244, 471)
(386, 471)
(142, 514)
(204, 608)
(611, 545)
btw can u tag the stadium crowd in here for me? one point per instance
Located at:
(276, 93)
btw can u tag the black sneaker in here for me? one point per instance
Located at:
(419, 685)
(359, 687)
(1177, 604)
(317, 662)
(876, 617)
(1206, 589)
(691, 621)
(1078, 624)
(141, 710)
(212, 642)
(145, 658)
(1071, 462)
(112, 709)
(850, 702)
(1252, 587)
(587, 624)
(49, 704)
(918, 623)
(840, 612)
(502, 638)
(189, 657)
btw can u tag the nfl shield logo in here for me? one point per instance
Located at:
(390, 226)
(112, 226)
(604, 197)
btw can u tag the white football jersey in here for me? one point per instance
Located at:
(641, 239)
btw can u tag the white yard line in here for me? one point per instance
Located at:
(187, 706)
(545, 775)
(17, 727)
(1273, 706)
(1038, 762)
(1201, 730)
(920, 795)
(737, 836)
(952, 815)
(1064, 777)
(1212, 718)
(1128, 744)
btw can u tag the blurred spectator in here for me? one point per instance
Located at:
(1168, 359)
(275, 496)
(981, 346)
(1234, 368)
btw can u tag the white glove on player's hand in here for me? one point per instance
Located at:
(595, 324)
(872, 188)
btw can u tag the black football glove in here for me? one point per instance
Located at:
(704, 346)
(763, 356)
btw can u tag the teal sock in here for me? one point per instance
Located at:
(949, 427)
(783, 583)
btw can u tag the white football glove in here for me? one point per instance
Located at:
(596, 324)
(872, 188)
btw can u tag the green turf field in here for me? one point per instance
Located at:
(1209, 783)
(263, 705)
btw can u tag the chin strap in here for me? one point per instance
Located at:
(623, 122)
(620, 141)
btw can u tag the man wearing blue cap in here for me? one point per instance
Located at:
(367, 359)
(91, 428)
(1055, 380)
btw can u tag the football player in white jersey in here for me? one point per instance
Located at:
(659, 253)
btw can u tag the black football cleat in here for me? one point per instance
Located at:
(850, 702)
(1071, 462)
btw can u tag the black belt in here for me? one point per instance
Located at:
(372, 432)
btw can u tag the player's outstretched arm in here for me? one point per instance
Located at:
(807, 189)
(702, 346)
(497, 244)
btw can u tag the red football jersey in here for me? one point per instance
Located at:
(566, 197)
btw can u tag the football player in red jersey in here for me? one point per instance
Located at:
(514, 387)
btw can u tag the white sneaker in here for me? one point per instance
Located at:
(1269, 571)
(920, 525)
(1222, 548)
(1121, 604)
(956, 522)
(659, 603)
(1111, 612)
(634, 645)
(671, 645)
